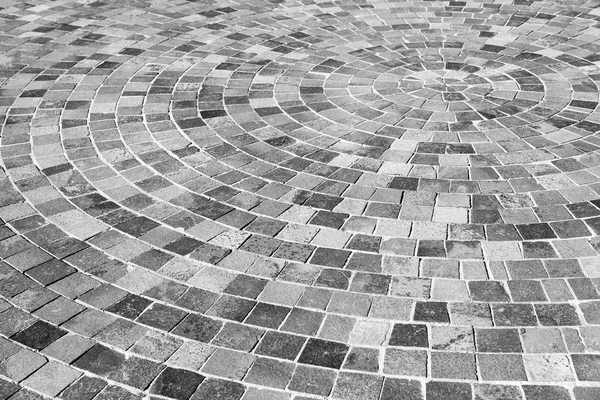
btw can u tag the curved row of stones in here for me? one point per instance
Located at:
(277, 200)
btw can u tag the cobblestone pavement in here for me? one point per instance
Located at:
(276, 200)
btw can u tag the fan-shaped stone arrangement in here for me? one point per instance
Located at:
(276, 200)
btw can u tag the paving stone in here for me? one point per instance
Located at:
(238, 337)
(100, 360)
(357, 386)
(333, 279)
(590, 312)
(130, 306)
(152, 259)
(589, 336)
(33, 298)
(312, 380)
(246, 286)
(526, 291)
(323, 353)
(20, 365)
(337, 328)
(220, 389)
(498, 340)
(39, 335)
(501, 367)
(390, 308)
(431, 312)
(452, 338)
(25, 394)
(543, 341)
(496, 392)
(136, 372)
(470, 314)
(546, 368)
(85, 389)
(168, 291)
(232, 308)
(411, 390)
(52, 378)
(68, 348)
(362, 359)
(586, 366)
(350, 304)
(303, 321)
(161, 317)
(411, 335)
(8, 348)
(89, 322)
(514, 315)
(280, 345)
(265, 394)
(28, 259)
(228, 364)
(156, 346)
(103, 296)
(448, 390)
(198, 327)
(59, 310)
(329, 257)
(557, 314)
(121, 333)
(585, 393)
(405, 362)
(270, 373)
(369, 333)
(176, 383)
(113, 391)
(74, 285)
(50, 272)
(452, 365)
(13, 283)
(267, 315)
(533, 392)
(488, 291)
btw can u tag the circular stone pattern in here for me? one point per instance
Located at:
(464, 85)
(278, 200)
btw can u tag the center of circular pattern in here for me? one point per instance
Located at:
(479, 89)
(448, 85)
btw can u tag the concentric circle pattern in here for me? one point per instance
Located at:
(277, 200)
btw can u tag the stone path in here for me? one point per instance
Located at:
(276, 200)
